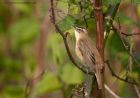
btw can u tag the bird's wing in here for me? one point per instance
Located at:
(90, 54)
(87, 53)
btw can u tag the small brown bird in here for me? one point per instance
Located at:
(88, 53)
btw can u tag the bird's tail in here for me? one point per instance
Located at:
(99, 78)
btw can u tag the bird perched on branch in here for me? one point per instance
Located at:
(88, 54)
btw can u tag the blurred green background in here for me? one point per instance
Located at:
(33, 59)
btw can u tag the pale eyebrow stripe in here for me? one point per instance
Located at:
(80, 29)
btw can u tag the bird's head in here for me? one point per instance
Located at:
(80, 32)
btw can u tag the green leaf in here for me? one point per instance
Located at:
(5, 12)
(71, 75)
(13, 91)
(48, 83)
(112, 2)
(66, 23)
(22, 7)
(136, 69)
(138, 9)
(135, 1)
(58, 54)
(104, 9)
(123, 57)
(63, 5)
(125, 19)
(23, 32)
(74, 9)
(73, 1)
(114, 45)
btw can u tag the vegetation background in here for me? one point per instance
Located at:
(33, 59)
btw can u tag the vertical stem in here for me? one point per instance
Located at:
(99, 27)
(99, 36)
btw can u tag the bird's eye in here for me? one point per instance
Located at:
(80, 29)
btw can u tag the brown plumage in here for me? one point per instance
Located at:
(88, 53)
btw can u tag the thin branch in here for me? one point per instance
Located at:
(109, 18)
(81, 10)
(119, 32)
(28, 89)
(40, 70)
(132, 34)
(111, 92)
(113, 74)
(137, 91)
(29, 84)
(81, 67)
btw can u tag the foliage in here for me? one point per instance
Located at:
(20, 32)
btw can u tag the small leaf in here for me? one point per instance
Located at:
(58, 54)
(14, 91)
(114, 45)
(123, 57)
(138, 9)
(23, 32)
(74, 9)
(71, 75)
(112, 2)
(66, 23)
(125, 19)
(21, 6)
(63, 6)
(48, 83)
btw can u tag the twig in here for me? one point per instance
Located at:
(113, 74)
(132, 34)
(109, 18)
(81, 9)
(119, 32)
(125, 45)
(81, 67)
(40, 70)
(28, 89)
(137, 91)
(111, 92)
(30, 83)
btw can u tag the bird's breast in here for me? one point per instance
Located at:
(78, 53)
